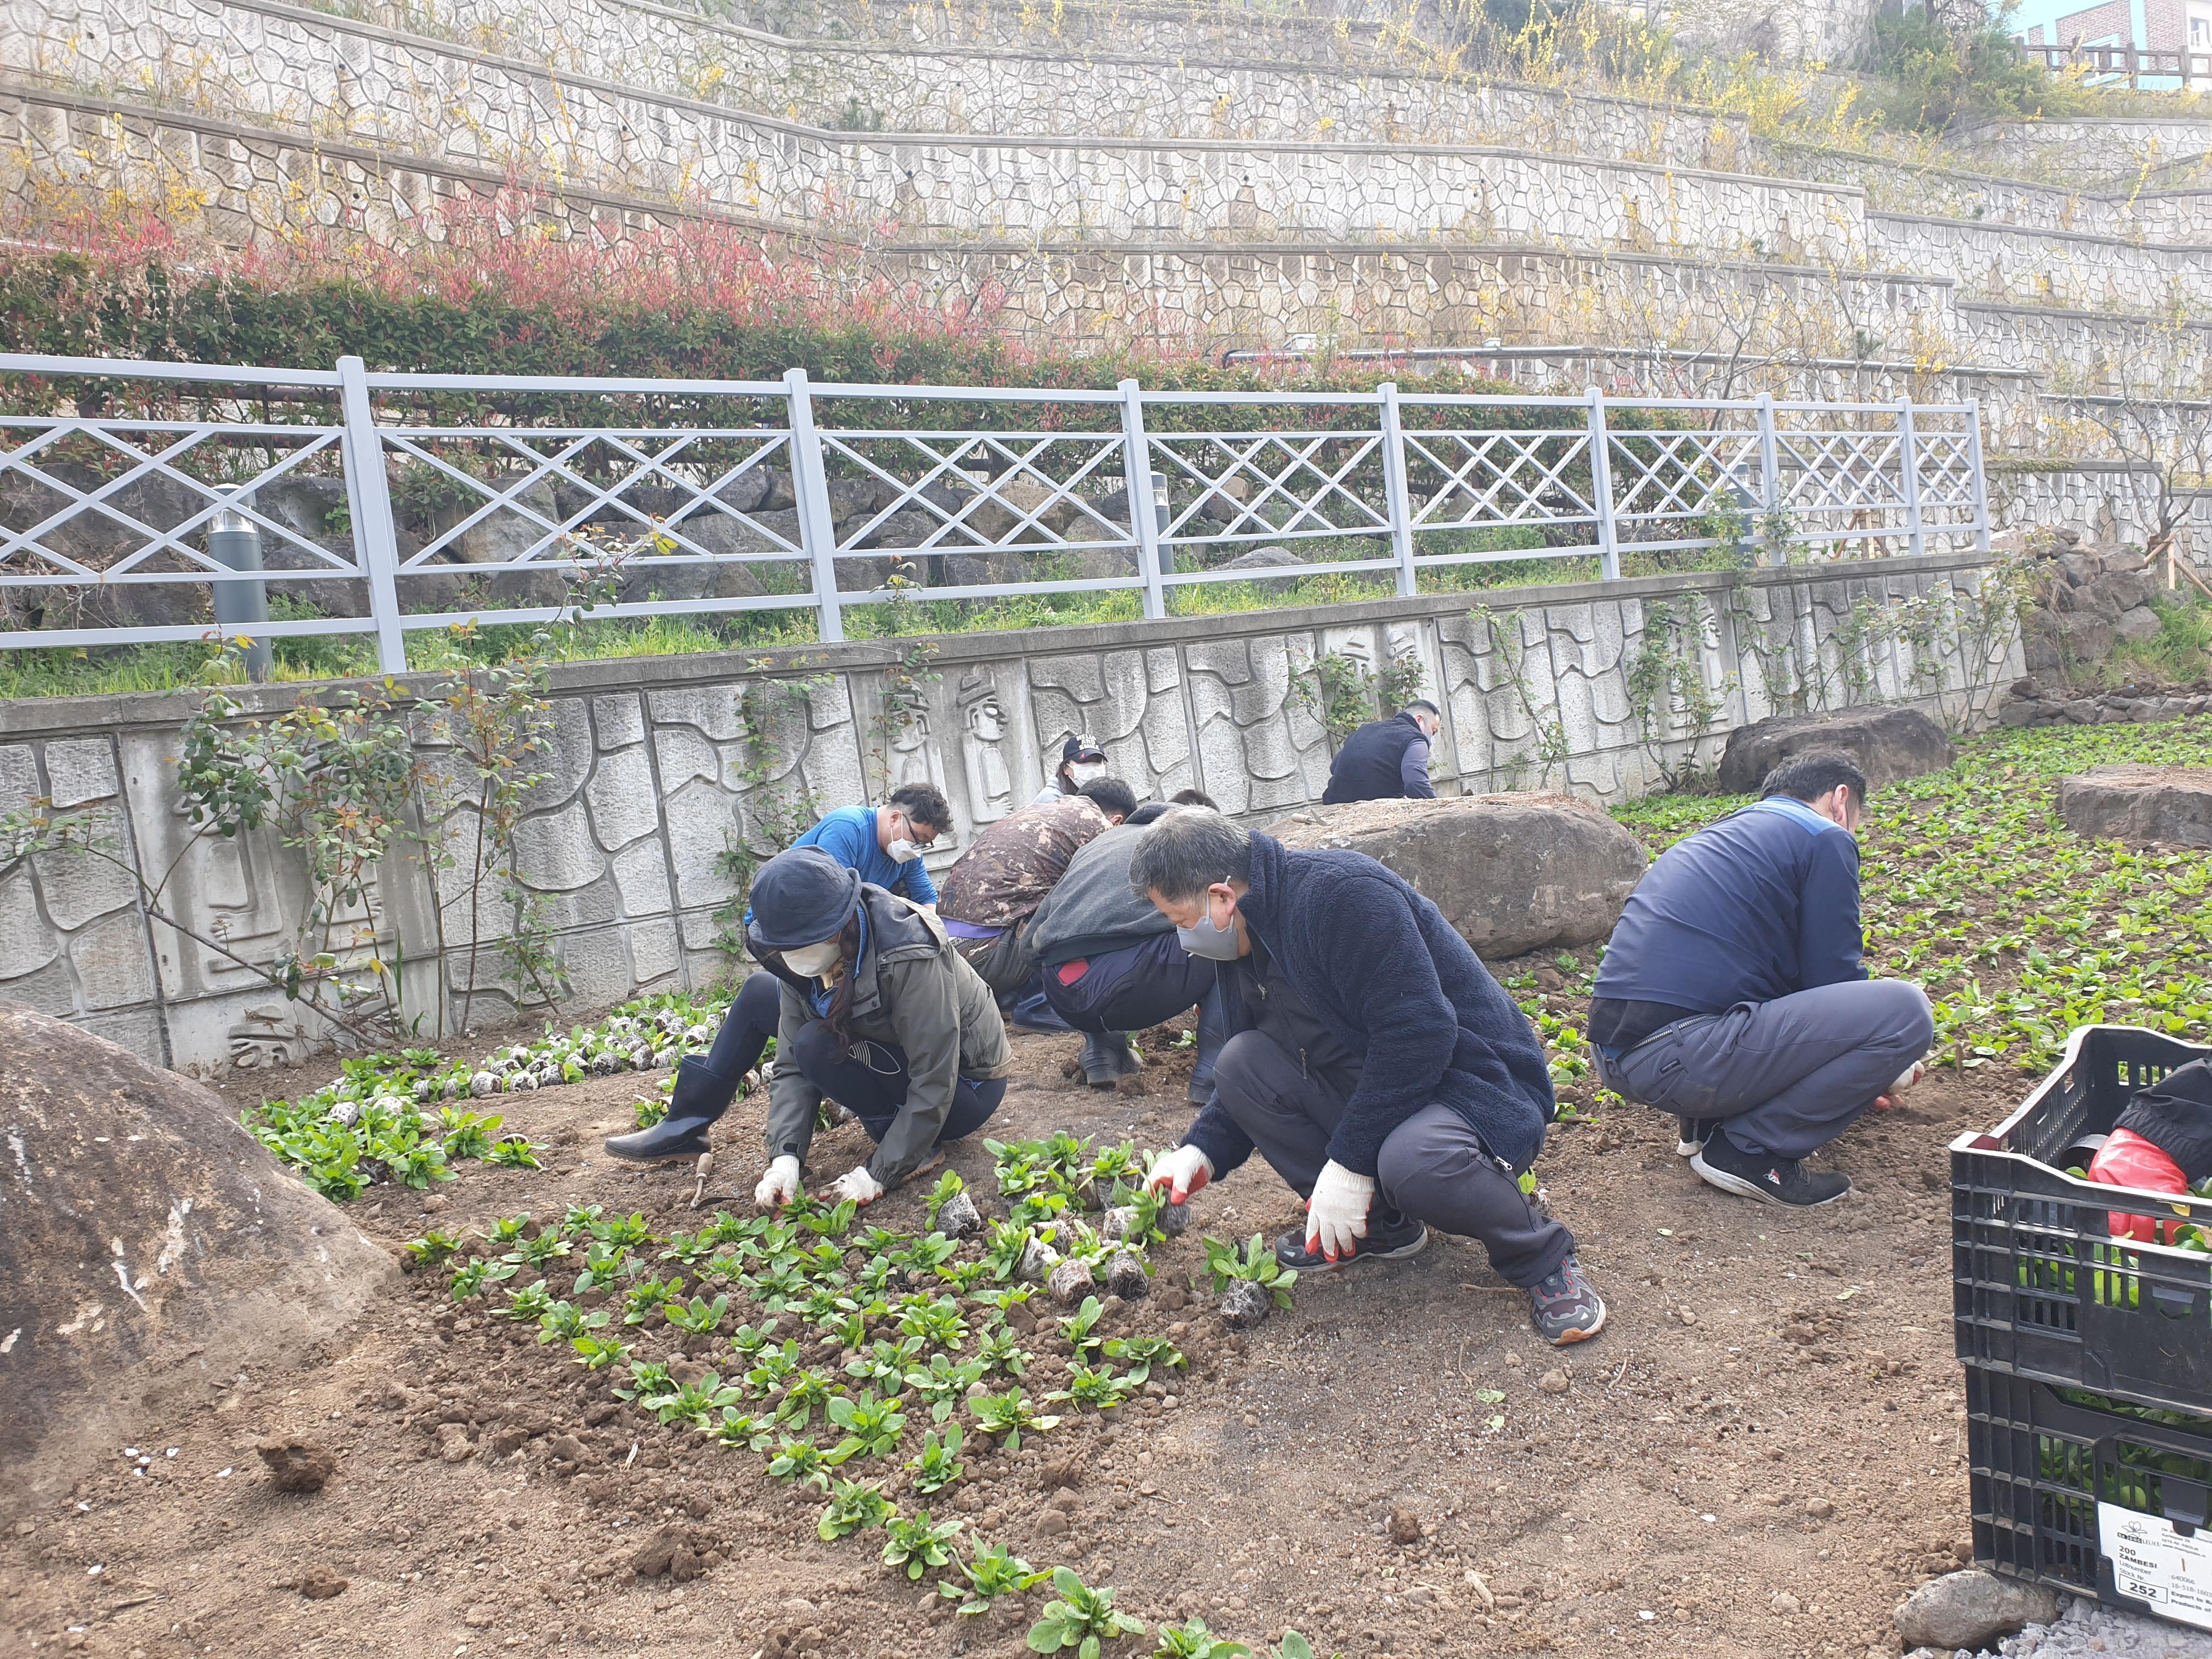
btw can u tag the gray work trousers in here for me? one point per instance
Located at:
(1786, 1077)
(1432, 1167)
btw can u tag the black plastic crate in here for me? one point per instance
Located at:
(2040, 1288)
(2087, 1499)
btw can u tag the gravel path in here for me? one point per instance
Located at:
(2085, 1628)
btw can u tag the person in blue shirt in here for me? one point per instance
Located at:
(881, 845)
(1732, 994)
(885, 843)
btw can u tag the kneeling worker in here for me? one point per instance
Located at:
(1373, 1061)
(874, 1009)
(1387, 760)
(1732, 994)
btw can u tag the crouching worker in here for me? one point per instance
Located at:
(1372, 1060)
(1113, 964)
(873, 1008)
(1732, 993)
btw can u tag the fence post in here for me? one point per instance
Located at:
(810, 488)
(1137, 471)
(368, 499)
(1608, 549)
(1908, 457)
(1981, 478)
(1770, 457)
(1395, 494)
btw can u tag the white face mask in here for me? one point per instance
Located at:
(814, 960)
(1082, 772)
(903, 851)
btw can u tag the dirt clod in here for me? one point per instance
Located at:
(319, 1584)
(297, 1465)
(1405, 1526)
(1553, 1382)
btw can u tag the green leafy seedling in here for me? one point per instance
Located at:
(429, 1250)
(939, 1464)
(1008, 1415)
(1193, 1641)
(799, 1461)
(917, 1544)
(1256, 1261)
(595, 1353)
(805, 1392)
(990, 1570)
(1080, 1618)
(698, 1316)
(513, 1153)
(742, 1431)
(853, 1505)
(871, 1426)
(944, 1382)
(1077, 1327)
(948, 1187)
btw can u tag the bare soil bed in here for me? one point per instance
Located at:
(1764, 1450)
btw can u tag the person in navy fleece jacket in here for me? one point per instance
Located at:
(1732, 993)
(1372, 1061)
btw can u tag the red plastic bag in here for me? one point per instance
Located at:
(2126, 1159)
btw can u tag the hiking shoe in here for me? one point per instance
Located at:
(1564, 1307)
(1695, 1131)
(1390, 1236)
(1764, 1175)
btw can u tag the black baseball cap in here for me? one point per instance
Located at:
(1081, 747)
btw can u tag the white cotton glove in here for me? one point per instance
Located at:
(856, 1184)
(1336, 1214)
(779, 1185)
(1182, 1171)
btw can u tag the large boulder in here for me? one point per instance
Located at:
(150, 1245)
(2140, 803)
(1510, 872)
(1888, 743)
(1970, 1610)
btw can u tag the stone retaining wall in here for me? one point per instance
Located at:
(658, 763)
(257, 60)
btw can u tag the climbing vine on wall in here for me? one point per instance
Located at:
(774, 818)
(1668, 691)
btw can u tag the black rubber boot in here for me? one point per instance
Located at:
(700, 1097)
(1107, 1056)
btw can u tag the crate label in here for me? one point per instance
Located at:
(2154, 1563)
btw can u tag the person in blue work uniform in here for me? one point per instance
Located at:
(882, 846)
(1732, 994)
(1386, 760)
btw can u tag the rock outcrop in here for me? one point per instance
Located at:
(1888, 743)
(1510, 872)
(2144, 804)
(151, 1244)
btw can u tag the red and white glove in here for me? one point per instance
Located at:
(1336, 1214)
(2127, 1159)
(1183, 1171)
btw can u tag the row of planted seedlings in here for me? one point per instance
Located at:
(844, 1356)
(406, 1119)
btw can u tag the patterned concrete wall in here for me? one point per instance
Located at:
(659, 766)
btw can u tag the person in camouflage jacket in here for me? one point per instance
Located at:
(988, 898)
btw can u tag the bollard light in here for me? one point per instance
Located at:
(234, 541)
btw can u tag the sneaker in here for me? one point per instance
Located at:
(1695, 1131)
(1390, 1236)
(1763, 1176)
(1564, 1307)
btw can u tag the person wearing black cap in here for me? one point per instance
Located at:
(1081, 760)
(871, 1007)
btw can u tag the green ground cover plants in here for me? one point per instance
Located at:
(845, 1437)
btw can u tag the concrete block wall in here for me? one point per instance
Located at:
(658, 764)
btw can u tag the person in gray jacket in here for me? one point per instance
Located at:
(1112, 964)
(878, 1013)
